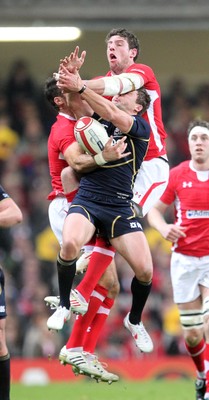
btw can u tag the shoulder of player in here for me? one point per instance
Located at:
(141, 125)
(180, 169)
(140, 68)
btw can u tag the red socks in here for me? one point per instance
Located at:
(197, 354)
(94, 330)
(99, 261)
(81, 324)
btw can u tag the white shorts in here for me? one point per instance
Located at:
(187, 273)
(57, 212)
(150, 183)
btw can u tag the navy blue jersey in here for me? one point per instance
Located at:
(117, 178)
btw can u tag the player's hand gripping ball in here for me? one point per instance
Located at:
(91, 135)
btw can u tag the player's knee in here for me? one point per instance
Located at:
(193, 336)
(111, 283)
(144, 275)
(192, 325)
(114, 290)
(70, 249)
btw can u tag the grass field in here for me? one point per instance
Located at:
(176, 389)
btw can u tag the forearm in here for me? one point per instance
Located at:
(10, 215)
(99, 104)
(85, 163)
(117, 84)
(97, 85)
(156, 219)
(106, 86)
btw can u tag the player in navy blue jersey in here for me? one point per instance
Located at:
(10, 215)
(103, 202)
(122, 171)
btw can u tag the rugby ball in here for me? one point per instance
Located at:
(91, 135)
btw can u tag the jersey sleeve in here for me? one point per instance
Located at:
(168, 196)
(145, 71)
(64, 138)
(140, 128)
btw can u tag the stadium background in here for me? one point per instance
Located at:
(175, 43)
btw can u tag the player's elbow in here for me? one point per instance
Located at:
(18, 217)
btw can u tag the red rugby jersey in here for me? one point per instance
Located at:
(60, 138)
(157, 145)
(189, 190)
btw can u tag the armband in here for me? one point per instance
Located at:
(121, 84)
(82, 89)
(99, 159)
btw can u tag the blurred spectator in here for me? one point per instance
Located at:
(8, 139)
(19, 87)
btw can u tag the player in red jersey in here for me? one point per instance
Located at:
(125, 75)
(188, 190)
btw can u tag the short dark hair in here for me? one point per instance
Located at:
(51, 91)
(132, 40)
(144, 99)
(197, 122)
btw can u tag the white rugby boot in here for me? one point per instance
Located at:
(79, 362)
(140, 335)
(82, 262)
(78, 304)
(105, 376)
(52, 301)
(58, 318)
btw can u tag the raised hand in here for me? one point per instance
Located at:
(68, 81)
(73, 61)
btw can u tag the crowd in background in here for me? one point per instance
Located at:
(28, 251)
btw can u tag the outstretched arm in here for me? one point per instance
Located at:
(106, 109)
(116, 84)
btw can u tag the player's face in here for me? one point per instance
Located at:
(127, 102)
(199, 148)
(119, 55)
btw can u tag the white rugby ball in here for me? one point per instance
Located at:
(91, 135)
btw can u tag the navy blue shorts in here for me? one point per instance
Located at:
(113, 217)
(2, 296)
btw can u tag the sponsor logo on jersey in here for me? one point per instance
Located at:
(187, 184)
(197, 214)
(2, 309)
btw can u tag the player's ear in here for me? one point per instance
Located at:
(138, 108)
(58, 100)
(133, 53)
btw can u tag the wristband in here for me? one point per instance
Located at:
(82, 89)
(99, 159)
